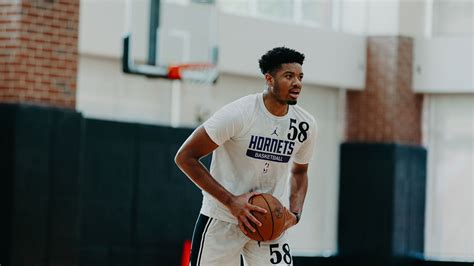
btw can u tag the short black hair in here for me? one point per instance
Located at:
(273, 59)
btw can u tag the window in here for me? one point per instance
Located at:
(316, 12)
(449, 136)
(277, 9)
(453, 17)
(307, 12)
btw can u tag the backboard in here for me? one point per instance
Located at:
(178, 35)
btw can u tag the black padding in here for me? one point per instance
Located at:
(94, 256)
(108, 161)
(107, 185)
(365, 199)
(104, 223)
(66, 153)
(31, 185)
(164, 198)
(91, 192)
(163, 254)
(122, 256)
(378, 215)
(64, 231)
(409, 218)
(7, 144)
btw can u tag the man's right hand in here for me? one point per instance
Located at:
(240, 207)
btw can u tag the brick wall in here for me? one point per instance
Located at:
(39, 51)
(387, 110)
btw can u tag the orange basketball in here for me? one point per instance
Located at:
(273, 221)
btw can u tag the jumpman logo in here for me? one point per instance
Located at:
(275, 132)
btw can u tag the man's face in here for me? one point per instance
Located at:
(285, 83)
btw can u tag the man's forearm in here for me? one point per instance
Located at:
(299, 187)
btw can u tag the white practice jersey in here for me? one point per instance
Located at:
(256, 150)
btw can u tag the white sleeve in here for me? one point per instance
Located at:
(304, 154)
(225, 123)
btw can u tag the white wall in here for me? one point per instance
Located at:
(353, 18)
(453, 18)
(333, 59)
(383, 17)
(412, 17)
(104, 92)
(387, 17)
(449, 135)
(443, 65)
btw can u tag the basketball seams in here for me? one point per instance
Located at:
(253, 224)
(271, 215)
(256, 229)
(276, 220)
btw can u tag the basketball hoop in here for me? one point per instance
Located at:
(200, 73)
(197, 73)
(178, 60)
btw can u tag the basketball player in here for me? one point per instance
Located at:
(261, 143)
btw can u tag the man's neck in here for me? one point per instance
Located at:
(274, 106)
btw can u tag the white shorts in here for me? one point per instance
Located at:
(219, 243)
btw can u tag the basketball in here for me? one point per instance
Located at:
(273, 221)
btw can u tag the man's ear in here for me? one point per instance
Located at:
(269, 79)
